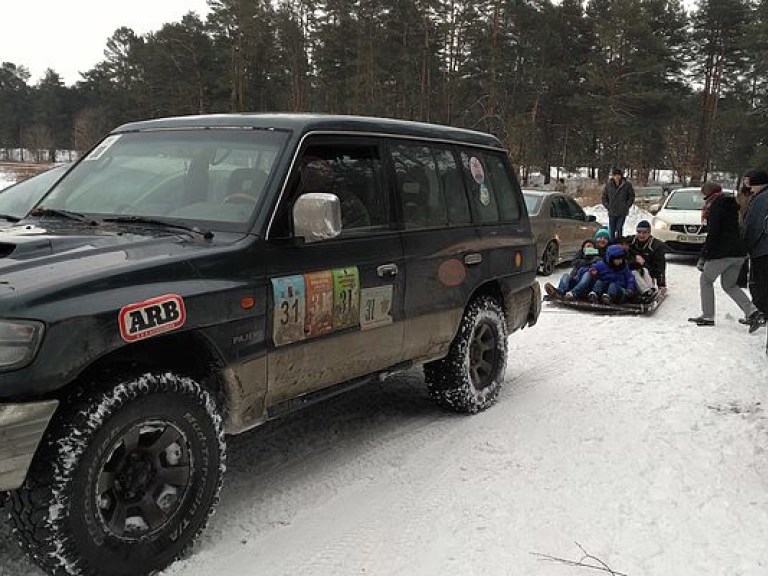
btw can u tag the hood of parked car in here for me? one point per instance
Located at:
(680, 216)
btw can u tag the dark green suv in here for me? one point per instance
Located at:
(195, 277)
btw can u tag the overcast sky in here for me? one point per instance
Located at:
(70, 37)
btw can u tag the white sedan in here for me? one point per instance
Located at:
(677, 221)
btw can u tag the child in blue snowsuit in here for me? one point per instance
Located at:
(609, 280)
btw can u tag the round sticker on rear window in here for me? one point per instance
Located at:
(476, 167)
(485, 195)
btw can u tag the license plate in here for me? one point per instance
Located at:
(692, 239)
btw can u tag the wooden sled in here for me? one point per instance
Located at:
(628, 308)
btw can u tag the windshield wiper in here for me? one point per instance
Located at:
(10, 218)
(207, 234)
(43, 211)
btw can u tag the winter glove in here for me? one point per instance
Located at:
(700, 264)
(630, 294)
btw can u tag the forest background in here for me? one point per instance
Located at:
(642, 84)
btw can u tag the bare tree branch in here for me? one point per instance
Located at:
(602, 566)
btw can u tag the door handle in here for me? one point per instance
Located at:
(474, 258)
(387, 270)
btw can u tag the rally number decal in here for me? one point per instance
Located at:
(151, 317)
(375, 307)
(346, 297)
(319, 318)
(290, 306)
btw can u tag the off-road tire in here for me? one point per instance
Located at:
(470, 377)
(99, 470)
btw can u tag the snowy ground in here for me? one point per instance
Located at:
(644, 440)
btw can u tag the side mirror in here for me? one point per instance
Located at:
(654, 208)
(317, 216)
(591, 218)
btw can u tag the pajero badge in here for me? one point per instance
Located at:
(152, 317)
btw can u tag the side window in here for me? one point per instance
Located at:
(429, 186)
(503, 187)
(576, 212)
(481, 195)
(560, 207)
(453, 187)
(354, 174)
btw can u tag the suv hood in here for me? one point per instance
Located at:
(34, 258)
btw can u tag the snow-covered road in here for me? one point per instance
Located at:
(644, 440)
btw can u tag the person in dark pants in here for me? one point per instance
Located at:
(722, 255)
(755, 234)
(618, 197)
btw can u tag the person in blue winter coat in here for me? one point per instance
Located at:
(609, 280)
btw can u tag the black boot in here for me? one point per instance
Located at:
(756, 320)
(701, 321)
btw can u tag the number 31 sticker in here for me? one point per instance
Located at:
(290, 304)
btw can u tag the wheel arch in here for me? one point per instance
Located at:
(187, 354)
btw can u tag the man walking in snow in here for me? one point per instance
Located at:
(618, 197)
(722, 255)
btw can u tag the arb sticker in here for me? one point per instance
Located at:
(151, 317)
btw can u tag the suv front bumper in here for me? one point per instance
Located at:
(21, 428)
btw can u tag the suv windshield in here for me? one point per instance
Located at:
(214, 177)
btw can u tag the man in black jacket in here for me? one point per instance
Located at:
(647, 257)
(618, 197)
(722, 255)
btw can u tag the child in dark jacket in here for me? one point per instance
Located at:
(585, 257)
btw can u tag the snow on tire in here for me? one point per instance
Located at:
(125, 479)
(469, 378)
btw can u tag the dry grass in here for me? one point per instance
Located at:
(22, 171)
(589, 195)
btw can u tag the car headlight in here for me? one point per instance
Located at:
(19, 340)
(659, 224)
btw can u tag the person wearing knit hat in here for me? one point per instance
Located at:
(754, 233)
(618, 197)
(722, 255)
(647, 258)
(602, 238)
(585, 257)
